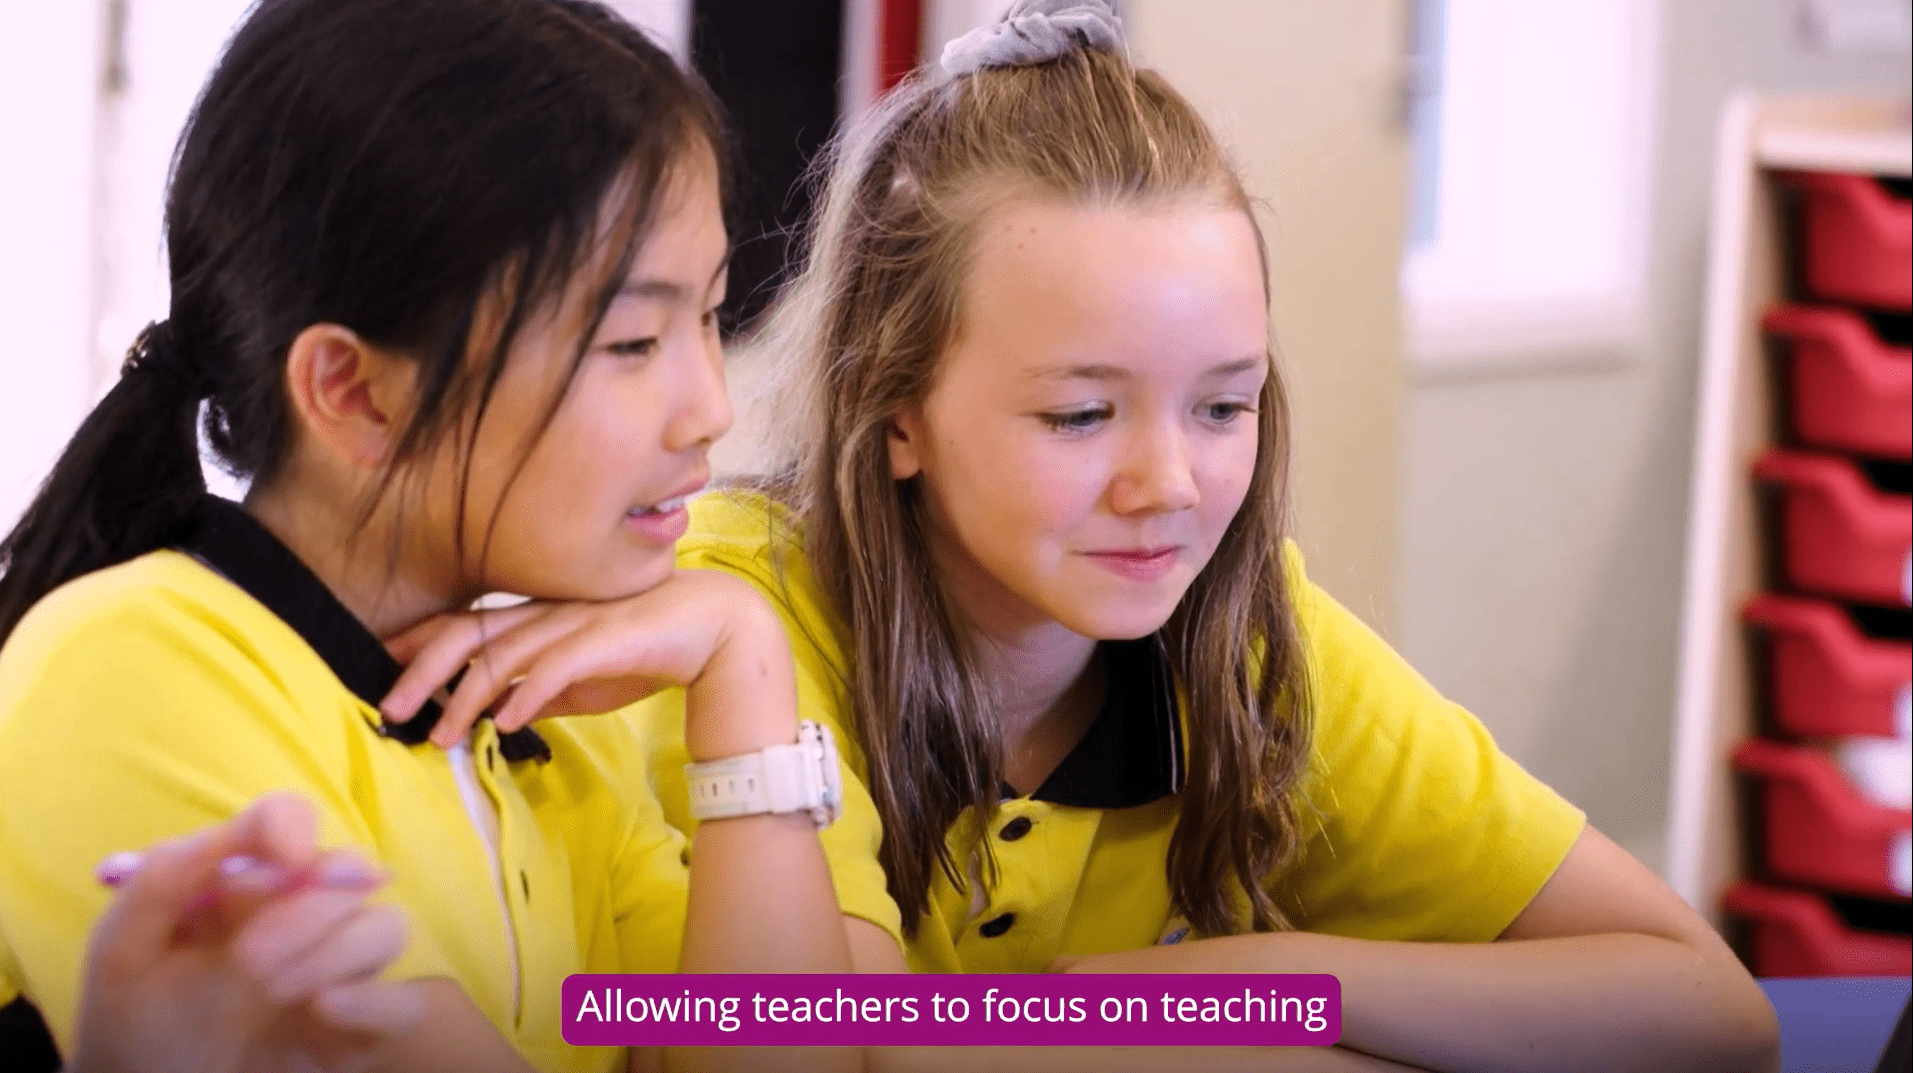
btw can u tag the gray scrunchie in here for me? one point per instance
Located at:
(1034, 31)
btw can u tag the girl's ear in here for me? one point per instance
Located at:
(348, 394)
(905, 442)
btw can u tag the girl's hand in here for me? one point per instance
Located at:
(194, 969)
(548, 659)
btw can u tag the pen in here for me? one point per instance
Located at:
(118, 868)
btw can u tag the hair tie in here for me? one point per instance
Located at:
(1036, 31)
(155, 354)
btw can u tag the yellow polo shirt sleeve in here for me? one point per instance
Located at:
(1415, 825)
(128, 716)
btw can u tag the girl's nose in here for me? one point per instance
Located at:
(1156, 477)
(703, 412)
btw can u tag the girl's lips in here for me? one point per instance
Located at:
(1138, 564)
(660, 526)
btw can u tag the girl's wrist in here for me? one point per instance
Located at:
(722, 743)
(746, 698)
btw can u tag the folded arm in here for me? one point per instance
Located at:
(1605, 969)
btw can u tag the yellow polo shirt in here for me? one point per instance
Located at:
(1416, 827)
(148, 700)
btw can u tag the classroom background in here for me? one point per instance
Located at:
(1497, 230)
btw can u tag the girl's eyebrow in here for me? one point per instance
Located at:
(665, 290)
(1117, 372)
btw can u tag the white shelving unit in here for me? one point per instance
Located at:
(1726, 563)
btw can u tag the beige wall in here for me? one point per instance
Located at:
(1309, 95)
(1543, 514)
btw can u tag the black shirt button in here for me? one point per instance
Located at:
(993, 928)
(1015, 829)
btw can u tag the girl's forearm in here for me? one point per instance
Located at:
(760, 898)
(746, 697)
(1611, 1002)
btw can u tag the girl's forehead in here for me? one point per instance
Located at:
(1099, 284)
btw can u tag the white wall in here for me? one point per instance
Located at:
(1544, 511)
(1310, 97)
(80, 204)
(50, 74)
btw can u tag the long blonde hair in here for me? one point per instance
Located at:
(859, 334)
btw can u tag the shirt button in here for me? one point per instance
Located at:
(993, 928)
(1015, 829)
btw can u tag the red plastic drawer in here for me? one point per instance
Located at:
(1827, 679)
(1818, 830)
(1794, 933)
(1847, 389)
(1855, 239)
(1840, 536)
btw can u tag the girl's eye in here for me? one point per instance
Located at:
(1223, 413)
(1076, 420)
(633, 348)
(709, 319)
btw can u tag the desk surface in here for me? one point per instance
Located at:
(1835, 1024)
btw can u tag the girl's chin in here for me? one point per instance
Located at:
(625, 579)
(1125, 624)
(1123, 617)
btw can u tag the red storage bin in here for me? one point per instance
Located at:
(1827, 679)
(1795, 933)
(1818, 830)
(1840, 536)
(1847, 389)
(1855, 240)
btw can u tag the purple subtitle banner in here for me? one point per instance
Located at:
(1039, 1010)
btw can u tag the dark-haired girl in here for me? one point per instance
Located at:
(442, 282)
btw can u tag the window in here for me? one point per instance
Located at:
(1530, 132)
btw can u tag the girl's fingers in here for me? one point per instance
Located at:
(585, 658)
(289, 929)
(453, 641)
(287, 859)
(285, 830)
(357, 949)
(497, 669)
(174, 877)
(583, 698)
(406, 644)
(139, 925)
(372, 1006)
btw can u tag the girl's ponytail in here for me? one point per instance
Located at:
(126, 484)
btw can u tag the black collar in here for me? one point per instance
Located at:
(234, 544)
(1133, 752)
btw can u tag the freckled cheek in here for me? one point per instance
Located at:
(1056, 495)
(1224, 486)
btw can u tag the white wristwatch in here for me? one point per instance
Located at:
(778, 779)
